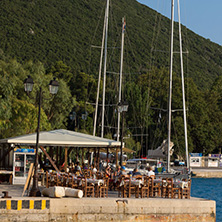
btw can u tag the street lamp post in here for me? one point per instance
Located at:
(122, 108)
(72, 117)
(53, 88)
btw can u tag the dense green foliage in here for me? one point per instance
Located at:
(53, 38)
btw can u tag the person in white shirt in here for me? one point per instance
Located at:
(150, 172)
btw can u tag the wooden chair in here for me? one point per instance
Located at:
(88, 173)
(47, 179)
(51, 179)
(112, 184)
(88, 190)
(176, 191)
(144, 191)
(118, 184)
(164, 187)
(77, 173)
(185, 192)
(155, 188)
(128, 189)
(61, 180)
(169, 190)
(71, 182)
(99, 175)
(138, 177)
(137, 187)
(103, 189)
(78, 183)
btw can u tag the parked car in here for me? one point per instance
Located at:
(178, 162)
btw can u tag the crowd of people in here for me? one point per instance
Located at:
(107, 170)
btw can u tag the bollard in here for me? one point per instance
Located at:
(5, 194)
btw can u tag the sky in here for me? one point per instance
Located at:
(204, 17)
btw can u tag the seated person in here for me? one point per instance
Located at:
(150, 172)
(77, 169)
(108, 171)
(163, 170)
(94, 171)
(135, 172)
(117, 172)
(84, 167)
(123, 170)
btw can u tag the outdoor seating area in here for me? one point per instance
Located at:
(84, 162)
(99, 184)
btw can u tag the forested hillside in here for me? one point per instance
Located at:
(53, 30)
(55, 38)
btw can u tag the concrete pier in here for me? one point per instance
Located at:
(22, 209)
(106, 209)
(207, 172)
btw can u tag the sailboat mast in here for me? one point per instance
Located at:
(170, 87)
(120, 74)
(99, 78)
(183, 89)
(104, 73)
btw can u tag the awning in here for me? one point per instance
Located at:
(62, 137)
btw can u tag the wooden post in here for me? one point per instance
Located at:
(50, 160)
(44, 158)
(1, 153)
(57, 156)
(4, 155)
(94, 157)
(9, 149)
(29, 178)
(98, 159)
(117, 157)
(66, 152)
(60, 156)
(77, 156)
(40, 159)
(82, 155)
(89, 157)
(51, 152)
(107, 155)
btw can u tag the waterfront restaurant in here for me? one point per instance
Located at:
(16, 153)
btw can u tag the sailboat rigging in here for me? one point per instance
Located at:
(104, 52)
(104, 39)
(120, 75)
(170, 87)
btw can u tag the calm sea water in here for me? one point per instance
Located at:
(211, 189)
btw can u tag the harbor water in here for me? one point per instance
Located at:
(211, 189)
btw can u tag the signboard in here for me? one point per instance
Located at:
(196, 154)
(195, 161)
(213, 162)
(215, 155)
(21, 150)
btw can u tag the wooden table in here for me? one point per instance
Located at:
(6, 172)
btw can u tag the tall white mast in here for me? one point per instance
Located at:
(99, 78)
(120, 74)
(104, 73)
(170, 87)
(183, 90)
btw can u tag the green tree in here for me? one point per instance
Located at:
(24, 119)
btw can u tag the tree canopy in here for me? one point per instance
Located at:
(46, 39)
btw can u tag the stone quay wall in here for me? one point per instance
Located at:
(207, 174)
(107, 209)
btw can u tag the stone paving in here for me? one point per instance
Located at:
(17, 190)
(13, 190)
